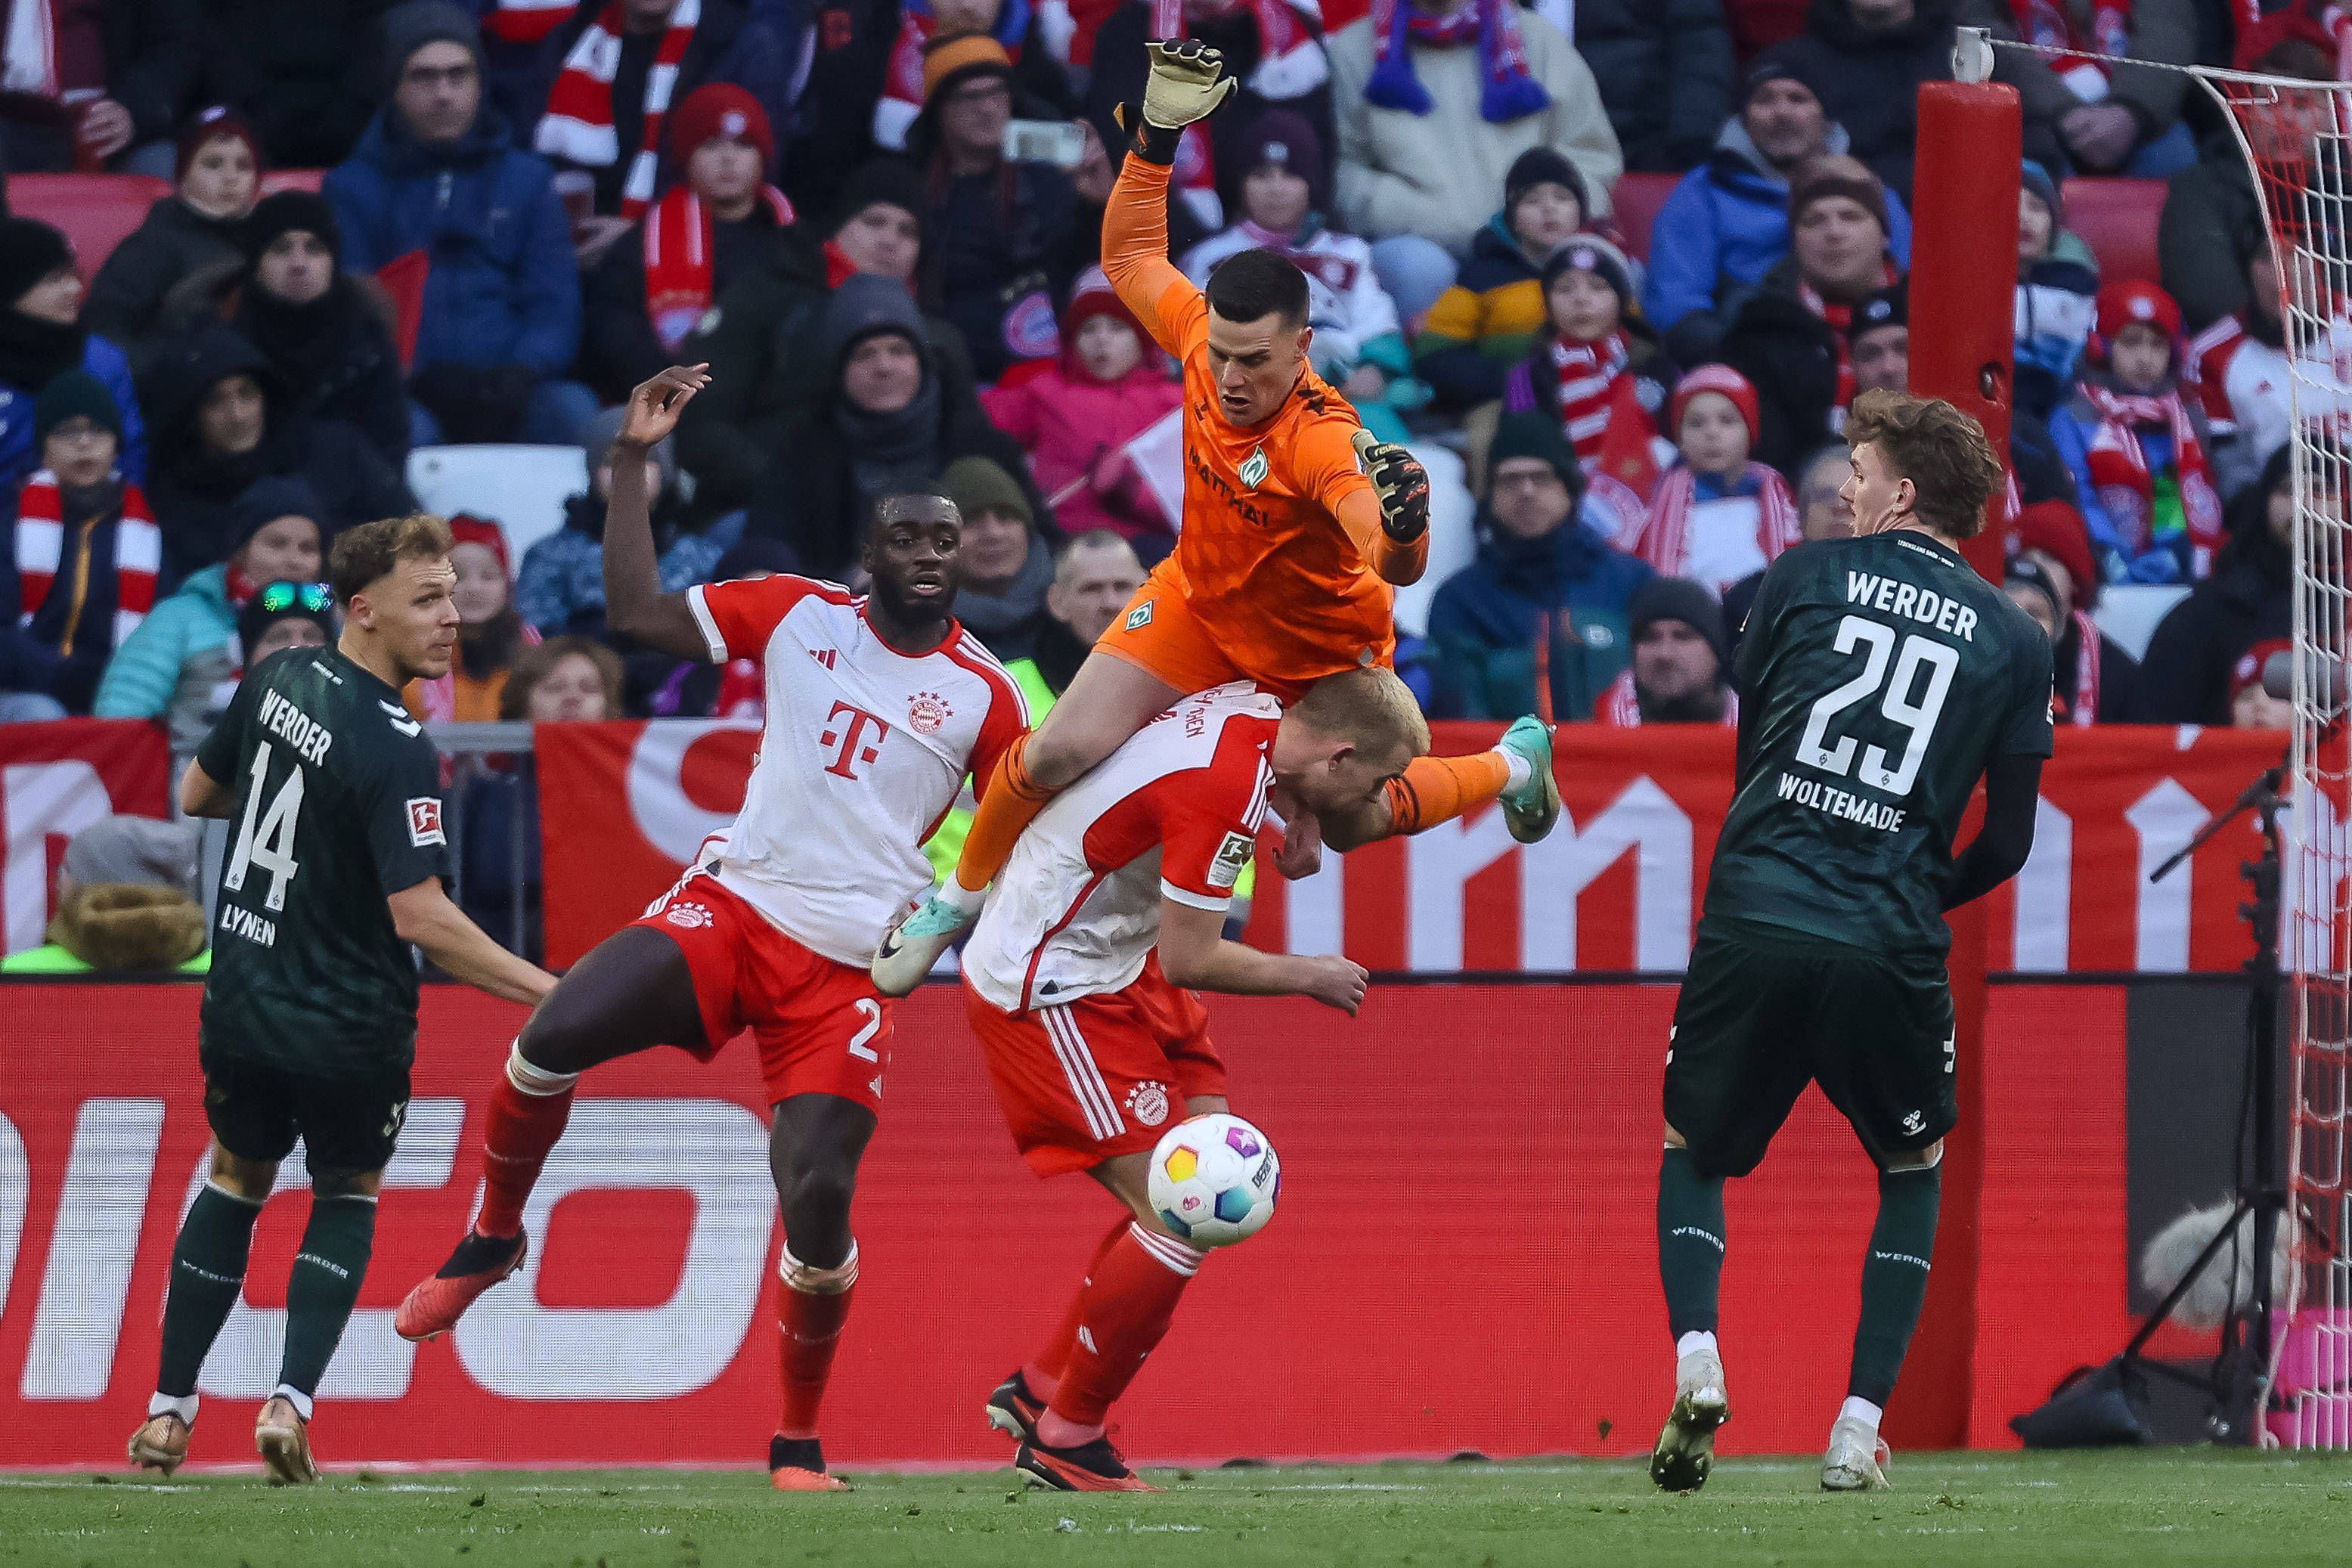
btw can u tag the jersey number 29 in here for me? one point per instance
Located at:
(1916, 716)
(266, 838)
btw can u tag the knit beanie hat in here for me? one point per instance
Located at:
(275, 601)
(2034, 178)
(408, 28)
(1288, 140)
(979, 484)
(720, 110)
(29, 251)
(1679, 599)
(1590, 253)
(465, 528)
(1093, 296)
(266, 500)
(286, 212)
(1542, 166)
(596, 439)
(1531, 435)
(864, 305)
(2248, 672)
(74, 393)
(1719, 378)
(950, 61)
(2055, 528)
(1785, 61)
(2128, 300)
(1888, 306)
(2027, 573)
(1835, 174)
(885, 181)
(210, 125)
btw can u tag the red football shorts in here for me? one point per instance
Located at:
(820, 1025)
(1100, 1077)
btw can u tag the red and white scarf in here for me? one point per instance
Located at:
(680, 242)
(1620, 706)
(527, 21)
(1665, 538)
(2084, 710)
(41, 554)
(902, 79)
(578, 125)
(2050, 24)
(1584, 377)
(1291, 64)
(1839, 317)
(2120, 475)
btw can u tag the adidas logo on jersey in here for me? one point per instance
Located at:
(823, 656)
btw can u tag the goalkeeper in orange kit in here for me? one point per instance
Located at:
(1297, 524)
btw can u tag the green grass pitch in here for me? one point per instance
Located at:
(2039, 1510)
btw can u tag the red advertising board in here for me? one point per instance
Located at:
(56, 779)
(1464, 1257)
(1615, 888)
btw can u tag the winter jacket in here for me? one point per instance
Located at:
(62, 650)
(1483, 622)
(618, 348)
(504, 288)
(2119, 678)
(767, 364)
(180, 662)
(1485, 323)
(2163, 31)
(1066, 422)
(999, 250)
(103, 360)
(559, 587)
(1665, 73)
(1789, 354)
(126, 297)
(303, 73)
(496, 810)
(1725, 226)
(1440, 174)
(152, 50)
(2212, 222)
(1871, 82)
(2185, 678)
(1118, 70)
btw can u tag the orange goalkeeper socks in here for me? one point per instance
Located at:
(1010, 801)
(1439, 789)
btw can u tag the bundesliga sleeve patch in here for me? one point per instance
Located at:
(1232, 854)
(425, 822)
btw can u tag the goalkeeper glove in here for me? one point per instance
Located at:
(1187, 84)
(1399, 482)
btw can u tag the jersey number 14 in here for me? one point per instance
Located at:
(1917, 715)
(266, 838)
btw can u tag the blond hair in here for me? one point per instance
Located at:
(363, 555)
(1943, 452)
(1371, 708)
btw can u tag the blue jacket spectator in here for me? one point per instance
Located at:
(559, 587)
(1536, 558)
(42, 337)
(1727, 224)
(438, 171)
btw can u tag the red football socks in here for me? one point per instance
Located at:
(524, 1125)
(1128, 1302)
(1044, 1374)
(815, 1307)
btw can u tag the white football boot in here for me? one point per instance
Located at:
(1686, 1450)
(1857, 1458)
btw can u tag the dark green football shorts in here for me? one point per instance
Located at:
(1764, 1012)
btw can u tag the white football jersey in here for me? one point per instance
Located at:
(1173, 812)
(863, 751)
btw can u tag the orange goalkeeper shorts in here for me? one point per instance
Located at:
(1161, 633)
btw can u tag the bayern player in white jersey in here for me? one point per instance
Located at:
(1079, 982)
(878, 707)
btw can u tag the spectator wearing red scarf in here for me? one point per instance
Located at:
(653, 286)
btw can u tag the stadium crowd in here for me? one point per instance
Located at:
(878, 221)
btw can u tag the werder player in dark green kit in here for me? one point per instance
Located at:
(1879, 679)
(334, 871)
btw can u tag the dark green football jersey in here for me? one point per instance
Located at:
(1877, 677)
(338, 805)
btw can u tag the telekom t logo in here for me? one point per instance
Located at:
(849, 736)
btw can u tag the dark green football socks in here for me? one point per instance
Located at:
(1894, 1278)
(321, 1289)
(1690, 1243)
(207, 1277)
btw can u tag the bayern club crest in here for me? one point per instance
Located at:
(927, 711)
(1147, 1103)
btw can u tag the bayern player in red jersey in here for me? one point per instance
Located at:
(878, 707)
(1079, 981)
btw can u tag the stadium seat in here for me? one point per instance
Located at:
(522, 489)
(1635, 201)
(2117, 218)
(2128, 612)
(95, 211)
(278, 180)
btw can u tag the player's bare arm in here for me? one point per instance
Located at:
(635, 603)
(201, 794)
(1194, 953)
(424, 917)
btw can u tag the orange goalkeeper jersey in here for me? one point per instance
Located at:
(1281, 542)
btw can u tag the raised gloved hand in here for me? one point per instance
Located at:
(1399, 482)
(1187, 84)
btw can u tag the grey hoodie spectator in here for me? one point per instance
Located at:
(1664, 71)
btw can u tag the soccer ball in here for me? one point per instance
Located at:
(1214, 1179)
